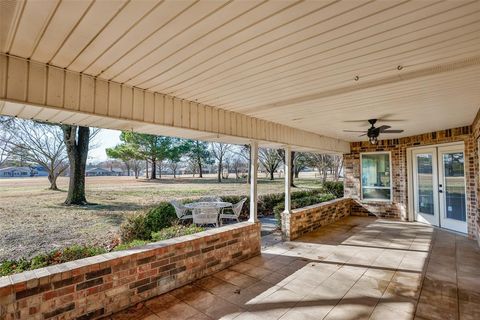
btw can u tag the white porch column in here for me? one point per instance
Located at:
(288, 178)
(253, 181)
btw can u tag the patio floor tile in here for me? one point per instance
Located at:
(357, 268)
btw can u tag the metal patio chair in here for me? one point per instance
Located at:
(236, 209)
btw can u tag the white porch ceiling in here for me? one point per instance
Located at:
(289, 62)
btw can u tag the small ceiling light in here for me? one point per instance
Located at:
(373, 140)
(399, 67)
(356, 78)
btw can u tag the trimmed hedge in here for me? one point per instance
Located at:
(334, 187)
(300, 203)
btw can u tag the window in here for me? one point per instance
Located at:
(376, 176)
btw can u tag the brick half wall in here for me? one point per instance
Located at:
(98, 286)
(303, 220)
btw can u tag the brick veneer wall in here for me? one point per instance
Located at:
(97, 286)
(476, 174)
(304, 220)
(398, 208)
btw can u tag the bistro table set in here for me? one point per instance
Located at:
(208, 211)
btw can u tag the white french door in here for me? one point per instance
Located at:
(439, 186)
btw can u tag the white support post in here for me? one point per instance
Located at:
(253, 181)
(288, 178)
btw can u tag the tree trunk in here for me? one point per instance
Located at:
(249, 175)
(146, 169)
(76, 140)
(220, 167)
(52, 178)
(200, 173)
(153, 174)
(272, 177)
(292, 169)
(128, 169)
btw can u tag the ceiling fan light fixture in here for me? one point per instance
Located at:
(373, 140)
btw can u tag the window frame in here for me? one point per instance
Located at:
(391, 180)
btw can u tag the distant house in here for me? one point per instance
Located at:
(97, 172)
(118, 172)
(40, 171)
(17, 172)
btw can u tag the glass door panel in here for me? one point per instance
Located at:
(453, 204)
(425, 185)
(454, 187)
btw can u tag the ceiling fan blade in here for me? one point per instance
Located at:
(392, 131)
(383, 128)
(378, 120)
(354, 130)
(362, 135)
(355, 121)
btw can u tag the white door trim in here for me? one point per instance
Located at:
(451, 224)
(410, 176)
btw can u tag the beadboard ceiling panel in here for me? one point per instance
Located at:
(305, 64)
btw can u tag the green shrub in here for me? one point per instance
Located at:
(71, 253)
(140, 226)
(134, 228)
(131, 244)
(159, 217)
(301, 203)
(76, 252)
(14, 266)
(267, 202)
(334, 187)
(175, 231)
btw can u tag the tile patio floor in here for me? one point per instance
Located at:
(357, 268)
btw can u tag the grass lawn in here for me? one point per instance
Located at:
(33, 219)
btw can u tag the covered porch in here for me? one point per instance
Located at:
(291, 75)
(355, 268)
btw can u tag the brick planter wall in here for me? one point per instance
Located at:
(398, 207)
(303, 220)
(94, 287)
(476, 174)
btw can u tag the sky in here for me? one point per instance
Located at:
(106, 138)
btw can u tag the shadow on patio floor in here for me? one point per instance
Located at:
(357, 268)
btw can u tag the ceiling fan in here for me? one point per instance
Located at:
(373, 132)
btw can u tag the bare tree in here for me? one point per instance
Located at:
(270, 160)
(173, 165)
(137, 166)
(6, 138)
(244, 153)
(239, 165)
(219, 150)
(337, 166)
(42, 144)
(192, 165)
(326, 163)
(281, 153)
